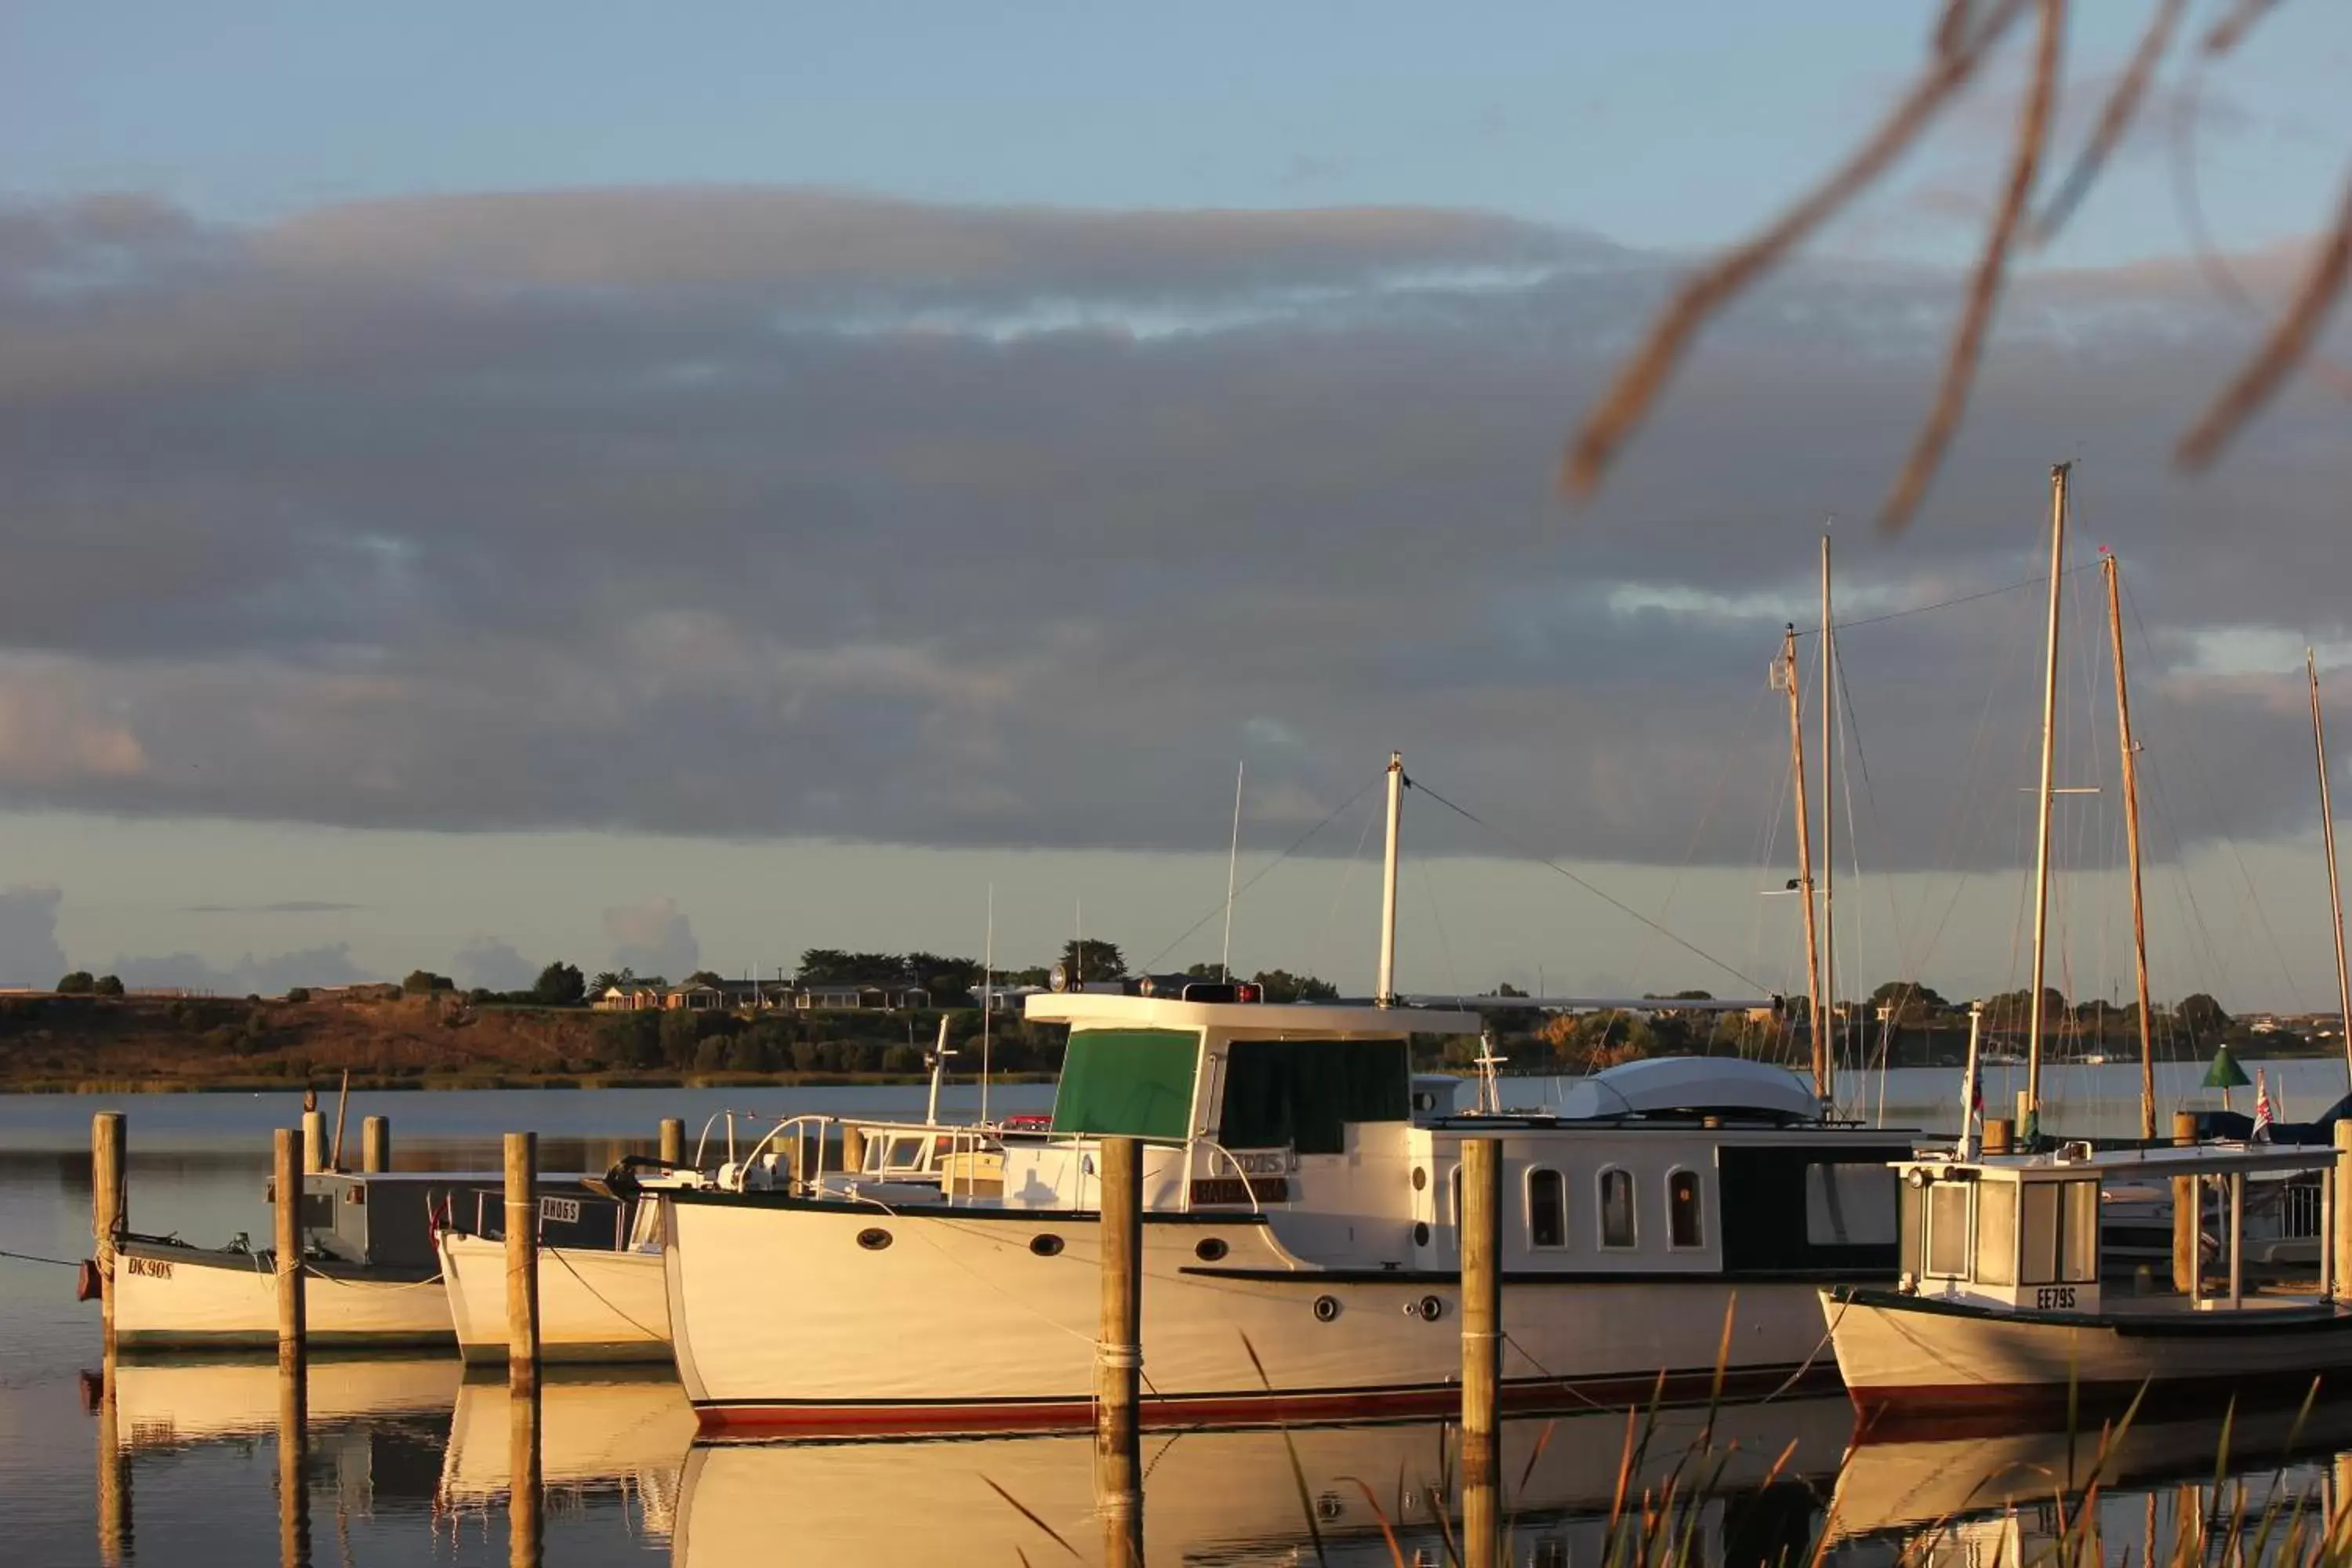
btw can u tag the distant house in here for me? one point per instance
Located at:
(857, 998)
(628, 999)
(693, 998)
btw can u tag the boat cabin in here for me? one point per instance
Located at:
(2022, 1231)
(388, 1219)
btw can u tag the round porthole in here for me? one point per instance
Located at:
(1329, 1507)
(1326, 1308)
(1420, 1233)
(1432, 1309)
(1046, 1245)
(1211, 1251)
(1420, 1178)
(874, 1239)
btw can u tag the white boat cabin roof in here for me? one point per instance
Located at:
(1100, 1010)
(2073, 1162)
(1691, 1085)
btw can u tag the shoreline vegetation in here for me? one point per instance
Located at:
(92, 1034)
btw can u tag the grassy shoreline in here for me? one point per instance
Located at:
(378, 1084)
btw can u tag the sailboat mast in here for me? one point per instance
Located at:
(1232, 866)
(1386, 993)
(2327, 835)
(2131, 840)
(2032, 1129)
(1829, 819)
(1805, 862)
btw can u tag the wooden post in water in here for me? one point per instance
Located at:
(673, 1140)
(286, 1195)
(1996, 1134)
(293, 1438)
(525, 1492)
(2187, 1199)
(375, 1143)
(314, 1140)
(1118, 1354)
(1481, 1348)
(2340, 1243)
(522, 1265)
(853, 1154)
(109, 1209)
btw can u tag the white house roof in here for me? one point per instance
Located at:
(1098, 1010)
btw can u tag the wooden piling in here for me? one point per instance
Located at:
(673, 1140)
(110, 1210)
(1119, 1352)
(287, 1165)
(853, 1153)
(2341, 1242)
(314, 1140)
(1482, 1348)
(1995, 1135)
(2187, 1200)
(375, 1143)
(522, 1265)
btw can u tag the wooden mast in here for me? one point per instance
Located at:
(2031, 1131)
(2327, 835)
(1805, 863)
(2131, 840)
(1829, 813)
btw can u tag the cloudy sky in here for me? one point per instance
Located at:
(482, 488)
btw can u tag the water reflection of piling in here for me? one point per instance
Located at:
(1481, 1348)
(293, 1439)
(1119, 1355)
(525, 1537)
(113, 1477)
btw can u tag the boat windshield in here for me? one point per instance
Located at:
(1301, 1094)
(1130, 1083)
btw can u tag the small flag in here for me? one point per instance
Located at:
(2262, 1108)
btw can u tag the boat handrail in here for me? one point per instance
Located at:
(798, 1126)
(1249, 1187)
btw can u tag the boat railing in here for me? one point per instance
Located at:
(798, 1128)
(1218, 1151)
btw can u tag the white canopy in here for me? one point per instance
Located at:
(1728, 1085)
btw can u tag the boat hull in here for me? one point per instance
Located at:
(594, 1305)
(1908, 1359)
(195, 1297)
(791, 1315)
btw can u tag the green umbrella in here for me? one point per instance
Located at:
(2225, 1074)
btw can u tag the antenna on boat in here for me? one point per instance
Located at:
(2327, 833)
(1972, 1088)
(2114, 574)
(1385, 995)
(1233, 864)
(1826, 1070)
(1490, 1087)
(2031, 1131)
(987, 998)
(1785, 673)
(941, 1054)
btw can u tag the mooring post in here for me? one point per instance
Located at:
(522, 1265)
(1995, 1135)
(314, 1140)
(375, 1143)
(2187, 1199)
(2341, 1241)
(1482, 1348)
(853, 1154)
(286, 1195)
(110, 1207)
(1118, 1354)
(673, 1140)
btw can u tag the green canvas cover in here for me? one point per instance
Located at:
(1134, 1083)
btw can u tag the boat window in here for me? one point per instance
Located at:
(1850, 1204)
(1686, 1226)
(1616, 1208)
(1914, 1229)
(1996, 1233)
(905, 1155)
(1301, 1094)
(1547, 1209)
(2078, 1247)
(1453, 1197)
(2040, 1232)
(1948, 1229)
(1132, 1083)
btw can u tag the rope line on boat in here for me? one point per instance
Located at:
(558, 1253)
(37, 1258)
(312, 1271)
(1620, 906)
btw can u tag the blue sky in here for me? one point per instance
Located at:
(578, 480)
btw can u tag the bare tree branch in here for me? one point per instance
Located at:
(1984, 290)
(2115, 118)
(1627, 402)
(2289, 341)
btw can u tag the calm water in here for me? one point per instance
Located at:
(409, 1463)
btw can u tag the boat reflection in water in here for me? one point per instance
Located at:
(2002, 1502)
(1232, 1496)
(597, 1437)
(172, 1402)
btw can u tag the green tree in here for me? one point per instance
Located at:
(1911, 1002)
(559, 985)
(609, 980)
(710, 977)
(78, 983)
(297, 993)
(108, 985)
(2202, 1017)
(1281, 985)
(424, 983)
(1092, 961)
